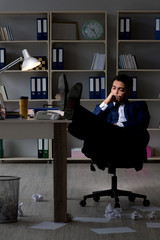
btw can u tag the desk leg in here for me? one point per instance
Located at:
(60, 172)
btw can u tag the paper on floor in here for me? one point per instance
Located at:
(48, 225)
(112, 230)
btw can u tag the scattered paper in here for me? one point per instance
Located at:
(112, 212)
(112, 230)
(135, 215)
(147, 209)
(153, 224)
(48, 225)
(151, 215)
(88, 219)
(37, 197)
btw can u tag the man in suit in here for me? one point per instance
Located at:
(116, 132)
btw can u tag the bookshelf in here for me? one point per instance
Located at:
(141, 41)
(64, 31)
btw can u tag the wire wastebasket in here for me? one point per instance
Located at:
(9, 197)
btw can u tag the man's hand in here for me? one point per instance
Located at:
(110, 98)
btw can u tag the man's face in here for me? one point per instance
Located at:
(119, 91)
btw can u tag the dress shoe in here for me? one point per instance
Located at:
(63, 91)
(73, 100)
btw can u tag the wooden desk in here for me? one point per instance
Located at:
(56, 130)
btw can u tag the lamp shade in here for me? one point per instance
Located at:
(28, 61)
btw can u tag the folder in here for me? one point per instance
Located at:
(127, 34)
(157, 28)
(55, 59)
(45, 29)
(134, 89)
(102, 87)
(39, 29)
(33, 87)
(91, 87)
(2, 57)
(44, 87)
(39, 88)
(45, 148)
(121, 28)
(40, 148)
(60, 58)
(97, 87)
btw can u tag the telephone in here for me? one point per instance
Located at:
(47, 115)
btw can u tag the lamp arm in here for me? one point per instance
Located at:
(11, 64)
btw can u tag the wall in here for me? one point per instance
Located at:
(73, 5)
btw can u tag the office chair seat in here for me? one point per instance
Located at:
(114, 193)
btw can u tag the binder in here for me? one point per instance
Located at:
(39, 29)
(134, 89)
(45, 148)
(55, 59)
(45, 29)
(2, 57)
(91, 87)
(97, 87)
(33, 88)
(102, 87)
(60, 58)
(40, 148)
(127, 33)
(121, 28)
(157, 28)
(44, 87)
(39, 88)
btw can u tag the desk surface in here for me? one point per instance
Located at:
(28, 128)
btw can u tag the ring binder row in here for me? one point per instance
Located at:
(57, 58)
(97, 87)
(125, 28)
(39, 87)
(42, 29)
(43, 148)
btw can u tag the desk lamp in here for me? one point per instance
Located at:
(28, 62)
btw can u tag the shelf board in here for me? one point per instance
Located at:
(76, 71)
(78, 41)
(138, 70)
(25, 41)
(139, 41)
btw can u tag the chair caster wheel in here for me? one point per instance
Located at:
(132, 198)
(146, 203)
(117, 205)
(83, 203)
(96, 198)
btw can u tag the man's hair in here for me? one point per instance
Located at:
(128, 81)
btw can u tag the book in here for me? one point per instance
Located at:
(3, 92)
(98, 62)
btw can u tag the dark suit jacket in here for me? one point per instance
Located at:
(136, 113)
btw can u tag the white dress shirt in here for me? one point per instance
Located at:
(121, 114)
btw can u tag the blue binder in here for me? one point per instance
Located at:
(121, 28)
(2, 57)
(91, 87)
(39, 29)
(33, 87)
(157, 28)
(60, 58)
(45, 29)
(97, 87)
(102, 87)
(44, 87)
(55, 58)
(39, 88)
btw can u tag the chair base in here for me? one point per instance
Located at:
(115, 193)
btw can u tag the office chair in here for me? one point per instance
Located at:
(114, 192)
